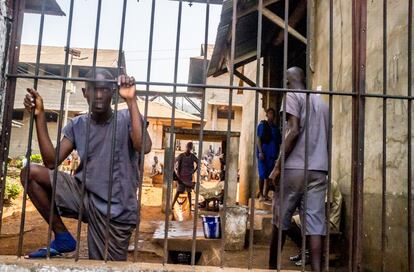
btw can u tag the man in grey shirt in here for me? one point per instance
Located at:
(294, 183)
(128, 142)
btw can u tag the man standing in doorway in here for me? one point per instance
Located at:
(294, 183)
(186, 165)
(268, 141)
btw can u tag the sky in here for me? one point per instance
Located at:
(136, 33)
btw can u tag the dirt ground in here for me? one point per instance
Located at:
(36, 234)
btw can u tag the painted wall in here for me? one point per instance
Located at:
(396, 193)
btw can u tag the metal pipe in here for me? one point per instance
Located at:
(114, 130)
(201, 137)
(256, 117)
(409, 135)
(384, 140)
(329, 186)
(88, 130)
(29, 142)
(228, 138)
(59, 131)
(172, 136)
(144, 137)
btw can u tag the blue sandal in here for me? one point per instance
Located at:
(42, 254)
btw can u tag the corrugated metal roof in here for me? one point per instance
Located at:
(51, 7)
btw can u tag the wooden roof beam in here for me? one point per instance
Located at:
(281, 23)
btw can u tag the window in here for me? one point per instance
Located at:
(51, 117)
(222, 112)
(52, 70)
(18, 115)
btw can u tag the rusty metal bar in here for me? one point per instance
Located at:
(201, 137)
(31, 127)
(205, 86)
(306, 163)
(59, 131)
(384, 139)
(144, 136)
(409, 135)
(12, 49)
(228, 138)
(172, 137)
(88, 129)
(114, 130)
(328, 191)
(359, 40)
(283, 147)
(305, 195)
(256, 117)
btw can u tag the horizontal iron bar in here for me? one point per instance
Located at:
(207, 86)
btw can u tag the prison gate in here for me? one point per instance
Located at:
(346, 60)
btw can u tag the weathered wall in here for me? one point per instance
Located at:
(396, 228)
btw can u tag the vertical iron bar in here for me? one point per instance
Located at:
(200, 137)
(114, 130)
(329, 186)
(359, 27)
(13, 38)
(172, 136)
(305, 195)
(256, 117)
(308, 87)
(59, 131)
(384, 139)
(409, 134)
(88, 129)
(144, 129)
(228, 138)
(282, 172)
(31, 126)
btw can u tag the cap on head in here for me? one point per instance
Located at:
(100, 74)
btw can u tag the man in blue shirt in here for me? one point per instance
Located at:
(268, 141)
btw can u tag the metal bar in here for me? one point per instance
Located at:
(13, 37)
(256, 117)
(201, 138)
(172, 138)
(228, 138)
(306, 164)
(409, 134)
(384, 139)
(329, 197)
(29, 142)
(305, 195)
(359, 23)
(144, 137)
(88, 130)
(59, 131)
(282, 174)
(205, 86)
(114, 130)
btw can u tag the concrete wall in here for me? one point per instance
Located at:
(396, 227)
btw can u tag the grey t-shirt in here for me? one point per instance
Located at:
(318, 132)
(125, 167)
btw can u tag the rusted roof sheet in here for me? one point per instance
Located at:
(51, 8)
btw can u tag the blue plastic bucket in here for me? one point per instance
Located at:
(211, 226)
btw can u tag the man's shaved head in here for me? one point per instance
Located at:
(295, 78)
